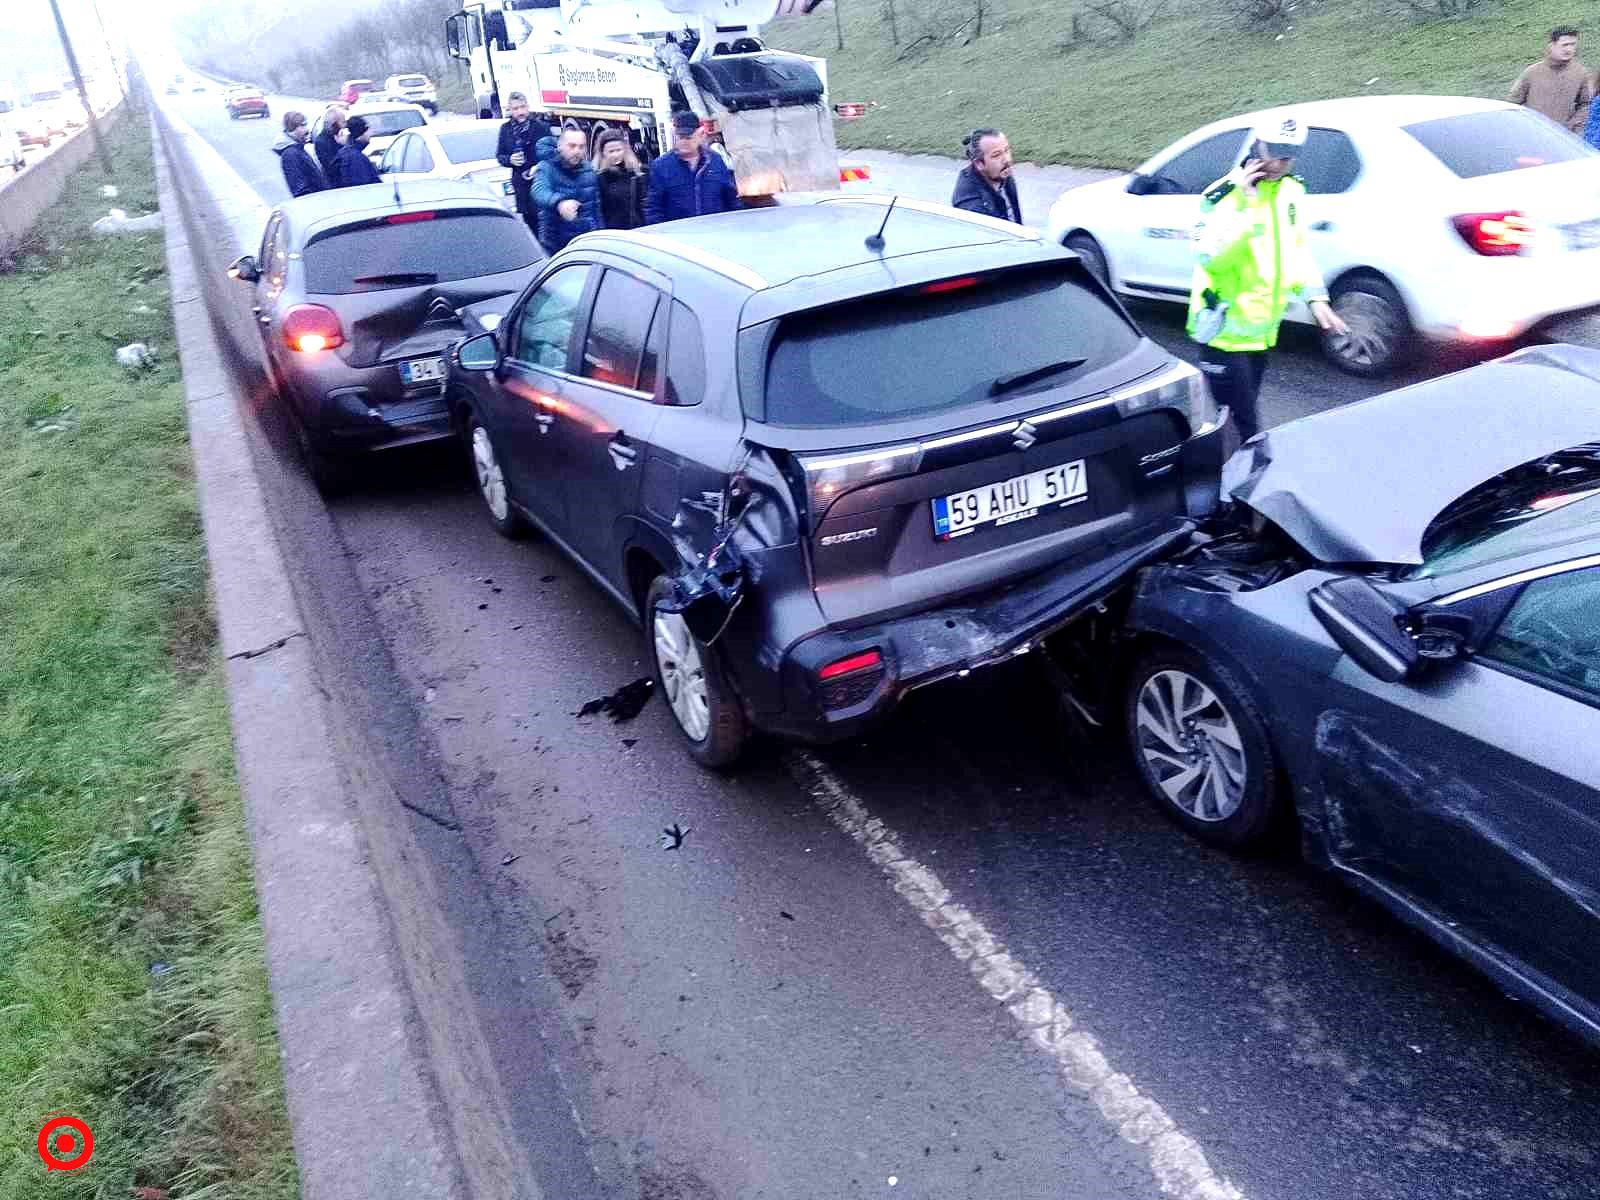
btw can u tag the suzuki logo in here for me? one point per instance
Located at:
(1023, 436)
(440, 310)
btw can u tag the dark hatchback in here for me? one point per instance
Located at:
(823, 473)
(1401, 653)
(356, 295)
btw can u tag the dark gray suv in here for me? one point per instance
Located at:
(823, 469)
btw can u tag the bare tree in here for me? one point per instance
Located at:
(1128, 18)
(894, 29)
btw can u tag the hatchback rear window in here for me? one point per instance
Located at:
(413, 81)
(903, 354)
(386, 124)
(377, 256)
(471, 145)
(1496, 141)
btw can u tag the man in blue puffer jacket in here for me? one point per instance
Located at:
(691, 181)
(566, 194)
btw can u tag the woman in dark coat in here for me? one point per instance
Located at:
(621, 180)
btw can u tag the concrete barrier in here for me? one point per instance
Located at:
(28, 196)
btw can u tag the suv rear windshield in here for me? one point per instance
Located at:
(386, 124)
(1499, 140)
(903, 354)
(1539, 504)
(411, 81)
(378, 256)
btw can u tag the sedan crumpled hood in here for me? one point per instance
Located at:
(1362, 483)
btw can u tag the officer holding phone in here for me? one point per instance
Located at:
(1251, 260)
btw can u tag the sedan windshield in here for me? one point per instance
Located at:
(1539, 504)
(470, 145)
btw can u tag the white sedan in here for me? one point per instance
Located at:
(386, 120)
(463, 150)
(1454, 219)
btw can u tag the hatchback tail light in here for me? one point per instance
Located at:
(1497, 234)
(312, 327)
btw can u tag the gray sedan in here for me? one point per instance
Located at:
(357, 292)
(1398, 651)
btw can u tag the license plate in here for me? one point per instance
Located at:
(421, 370)
(1014, 499)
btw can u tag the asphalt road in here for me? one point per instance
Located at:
(760, 1014)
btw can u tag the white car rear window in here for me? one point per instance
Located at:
(1497, 141)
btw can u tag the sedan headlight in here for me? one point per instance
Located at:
(1179, 387)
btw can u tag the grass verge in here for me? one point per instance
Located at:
(1113, 103)
(133, 990)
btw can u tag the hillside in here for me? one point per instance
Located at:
(1111, 103)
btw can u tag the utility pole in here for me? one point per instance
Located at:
(111, 54)
(838, 26)
(77, 78)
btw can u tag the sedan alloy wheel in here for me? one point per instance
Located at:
(1191, 745)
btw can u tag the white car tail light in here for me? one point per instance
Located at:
(1496, 234)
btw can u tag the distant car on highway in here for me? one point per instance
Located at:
(417, 89)
(462, 149)
(245, 101)
(357, 298)
(1495, 230)
(1401, 656)
(386, 120)
(915, 486)
(354, 89)
(36, 127)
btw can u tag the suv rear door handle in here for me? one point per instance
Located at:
(623, 455)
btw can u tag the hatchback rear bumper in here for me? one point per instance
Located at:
(938, 643)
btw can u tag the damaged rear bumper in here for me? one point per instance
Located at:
(938, 643)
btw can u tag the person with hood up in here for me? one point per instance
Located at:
(353, 168)
(691, 181)
(566, 193)
(328, 141)
(301, 172)
(621, 181)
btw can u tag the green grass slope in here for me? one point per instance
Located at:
(1112, 103)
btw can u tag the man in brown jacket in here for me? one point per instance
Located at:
(1559, 87)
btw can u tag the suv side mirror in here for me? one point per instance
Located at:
(244, 269)
(1365, 624)
(479, 353)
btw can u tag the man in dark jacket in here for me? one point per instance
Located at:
(691, 181)
(353, 168)
(566, 194)
(985, 185)
(519, 137)
(327, 143)
(300, 171)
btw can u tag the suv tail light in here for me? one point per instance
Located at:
(1498, 234)
(849, 681)
(312, 327)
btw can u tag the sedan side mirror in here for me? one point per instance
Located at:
(1139, 185)
(480, 353)
(244, 269)
(1365, 624)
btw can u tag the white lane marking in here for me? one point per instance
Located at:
(1176, 1159)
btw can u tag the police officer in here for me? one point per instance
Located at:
(1250, 261)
